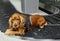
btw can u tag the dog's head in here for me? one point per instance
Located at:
(15, 21)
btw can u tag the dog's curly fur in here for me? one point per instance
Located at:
(37, 20)
(16, 24)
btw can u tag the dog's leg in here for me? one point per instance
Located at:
(21, 32)
(9, 32)
(31, 27)
(46, 24)
(41, 27)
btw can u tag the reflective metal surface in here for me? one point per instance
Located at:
(52, 6)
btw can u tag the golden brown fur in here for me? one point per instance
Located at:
(16, 22)
(37, 20)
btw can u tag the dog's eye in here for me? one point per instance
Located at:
(17, 19)
(12, 22)
(12, 19)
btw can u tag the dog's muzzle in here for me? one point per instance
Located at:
(15, 27)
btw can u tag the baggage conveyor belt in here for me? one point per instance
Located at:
(52, 31)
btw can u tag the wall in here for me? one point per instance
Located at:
(27, 6)
(16, 4)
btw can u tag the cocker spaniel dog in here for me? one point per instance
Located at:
(16, 24)
(37, 20)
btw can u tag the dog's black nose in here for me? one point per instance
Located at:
(15, 25)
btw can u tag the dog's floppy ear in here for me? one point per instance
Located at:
(10, 22)
(23, 20)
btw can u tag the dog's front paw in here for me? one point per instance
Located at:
(9, 32)
(22, 31)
